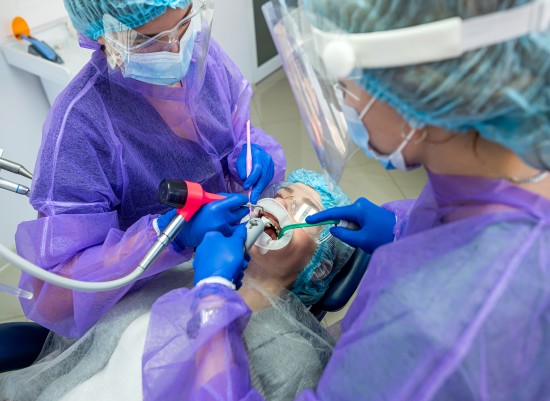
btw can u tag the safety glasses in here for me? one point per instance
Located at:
(300, 202)
(127, 40)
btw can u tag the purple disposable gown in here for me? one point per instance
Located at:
(458, 308)
(108, 142)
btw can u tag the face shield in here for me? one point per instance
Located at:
(312, 86)
(167, 57)
(321, 60)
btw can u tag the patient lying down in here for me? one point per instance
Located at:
(287, 348)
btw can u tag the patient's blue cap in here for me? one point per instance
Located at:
(331, 254)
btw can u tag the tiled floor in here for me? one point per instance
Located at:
(274, 109)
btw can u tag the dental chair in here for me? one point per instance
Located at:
(21, 343)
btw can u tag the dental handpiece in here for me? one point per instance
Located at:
(254, 228)
(14, 187)
(15, 168)
(165, 238)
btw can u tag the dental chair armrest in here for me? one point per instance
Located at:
(20, 344)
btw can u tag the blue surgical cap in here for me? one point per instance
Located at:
(87, 15)
(332, 254)
(502, 91)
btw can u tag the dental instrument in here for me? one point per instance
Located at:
(37, 47)
(13, 167)
(248, 157)
(187, 196)
(14, 187)
(254, 228)
(337, 223)
(16, 292)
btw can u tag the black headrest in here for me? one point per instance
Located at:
(343, 285)
(20, 344)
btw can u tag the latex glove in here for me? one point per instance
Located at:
(219, 256)
(376, 224)
(262, 171)
(223, 216)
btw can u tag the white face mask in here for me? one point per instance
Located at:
(265, 243)
(360, 135)
(164, 68)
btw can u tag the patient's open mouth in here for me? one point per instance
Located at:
(274, 227)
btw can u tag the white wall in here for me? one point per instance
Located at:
(23, 109)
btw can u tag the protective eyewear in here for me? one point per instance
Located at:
(300, 202)
(128, 41)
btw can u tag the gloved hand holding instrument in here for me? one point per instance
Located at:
(375, 223)
(262, 170)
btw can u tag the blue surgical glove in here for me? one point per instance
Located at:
(262, 171)
(222, 216)
(219, 256)
(376, 224)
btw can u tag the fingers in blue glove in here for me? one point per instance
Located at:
(376, 224)
(254, 176)
(264, 181)
(351, 238)
(241, 163)
(221, 256)
(338, 213)
(263, 170)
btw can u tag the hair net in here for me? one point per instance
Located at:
(331, 255)
(87, 15)
(502, 91)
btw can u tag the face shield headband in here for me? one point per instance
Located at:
(436, 41)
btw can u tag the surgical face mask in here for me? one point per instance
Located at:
(163, 68)
(360, 135)
(276, 213)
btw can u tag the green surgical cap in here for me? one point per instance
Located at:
(332, 254)
(87, 15)
(502, 91)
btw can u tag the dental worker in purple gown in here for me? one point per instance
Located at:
(158, 99)
(455, 304)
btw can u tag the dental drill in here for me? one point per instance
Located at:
(188, 197)
(15, 168)
(254, 228)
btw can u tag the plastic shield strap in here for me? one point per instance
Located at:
(313, 88)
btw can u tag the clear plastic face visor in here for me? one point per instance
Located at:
(318, 56)
(127, 41)
(313, 87)
(300, 201)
